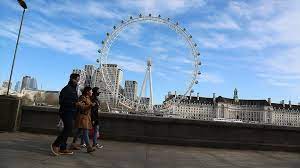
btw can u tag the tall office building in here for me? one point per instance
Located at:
(121, 90)
(18, 86)
(25, 83)
(97, 78)
(89, 72)
(114, 77)
(33, 84)
(131, 89)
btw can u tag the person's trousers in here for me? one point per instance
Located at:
(85, 135)
(61, 140)
(96, 132)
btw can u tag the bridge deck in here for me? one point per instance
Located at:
(32, 151)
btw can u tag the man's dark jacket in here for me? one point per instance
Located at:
(95, 116)
(67, 100)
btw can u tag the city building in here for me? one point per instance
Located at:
(121, 90)
(97, 79)
(89, 72)
(145, 101)
(29, 83)
(285, 114)
(113, 76)
(25, 83)
(81, 82)
(33, 84)
(94, 78)
(18, 86)
(248, 111)
(131, 90)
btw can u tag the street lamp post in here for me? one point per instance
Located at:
(24, 6)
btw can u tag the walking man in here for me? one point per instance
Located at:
(68, 101)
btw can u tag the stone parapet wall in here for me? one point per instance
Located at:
(174, 131)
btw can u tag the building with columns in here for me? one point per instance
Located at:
(285, 114)
(248, 111)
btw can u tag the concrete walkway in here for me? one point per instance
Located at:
(26, 150)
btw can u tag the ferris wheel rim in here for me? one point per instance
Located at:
(111, 37)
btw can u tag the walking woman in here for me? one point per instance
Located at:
(83, 119)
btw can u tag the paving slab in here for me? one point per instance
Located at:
(27, 150)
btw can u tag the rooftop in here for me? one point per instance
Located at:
(32, 150)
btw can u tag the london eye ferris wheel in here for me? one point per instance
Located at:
(112, 36)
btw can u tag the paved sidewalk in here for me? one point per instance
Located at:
(26, 150)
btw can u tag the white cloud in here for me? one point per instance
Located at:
(129, 63)
(47, 35)
(274, 20)
(162, 7)
(256, 9)
(263, 24)
(90, 9)
(218, 22)
(211, 78)
(132, 35)
(224, 41)
(281, 69)
(286, 62)
(164, 75)
(279, 83)
(159, 49)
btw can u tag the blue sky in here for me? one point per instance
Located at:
(250, 45)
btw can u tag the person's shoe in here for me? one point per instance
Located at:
(66, 152)
(54, 150)
(74, 146)
(98, 146)
(83, 145)
(89, 149)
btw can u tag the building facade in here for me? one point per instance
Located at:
(248, 111)
(285, 114)
(131, 90)
(33, 84)
(29, 83)
(81, 82)
(113, 74)
(18, 86)
(97, 78)
(25, 83)
(89, 73)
